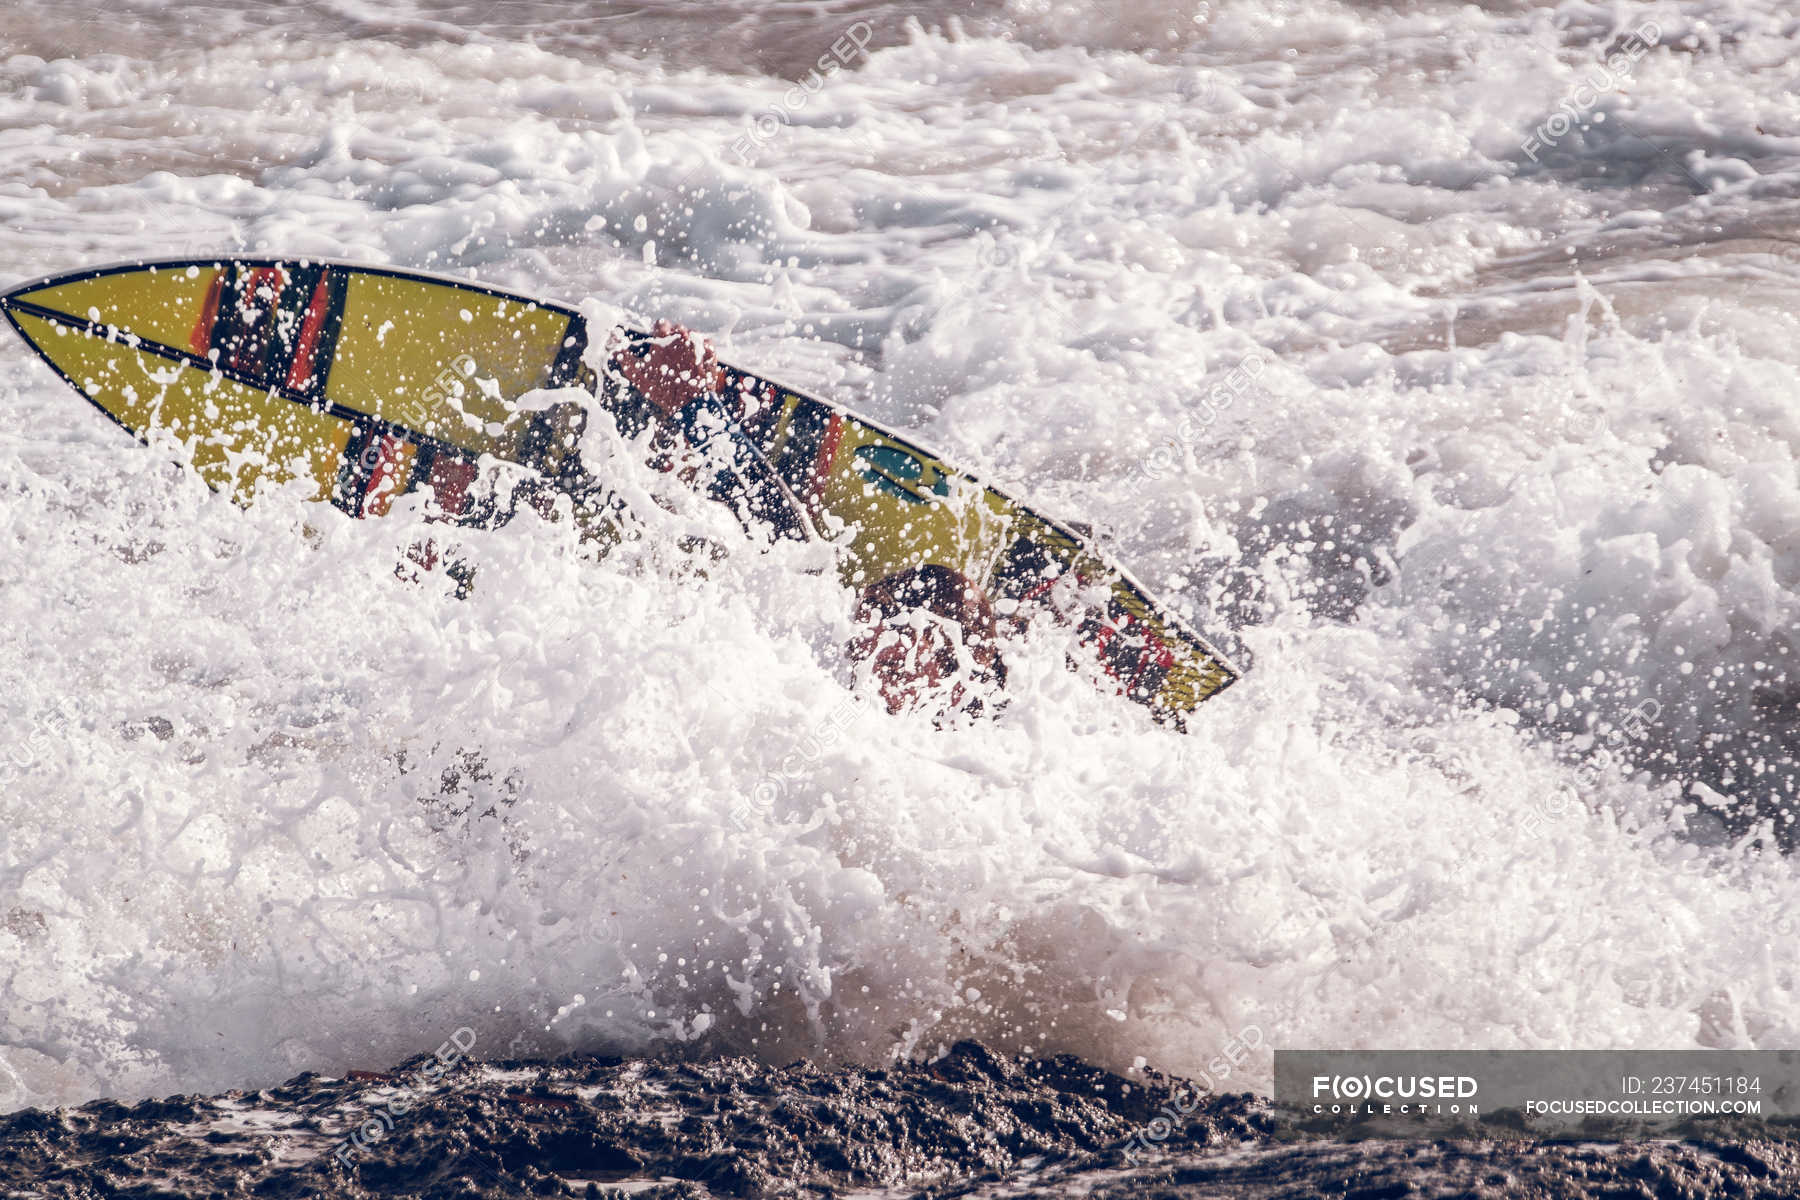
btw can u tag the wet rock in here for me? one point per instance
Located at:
(972, 1124)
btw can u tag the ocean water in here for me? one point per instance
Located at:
(1437, 358)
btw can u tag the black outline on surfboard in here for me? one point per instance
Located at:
(201, 363)
(9, 302)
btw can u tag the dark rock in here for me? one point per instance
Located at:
(972, 1124)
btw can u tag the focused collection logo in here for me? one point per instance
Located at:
(1396, 1094)
(1605, 1094)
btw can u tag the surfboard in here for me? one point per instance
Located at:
(366, 383)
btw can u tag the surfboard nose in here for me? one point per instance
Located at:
(233, 432)
(157, 302)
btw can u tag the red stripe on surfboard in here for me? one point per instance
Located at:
(301, 371)
(1127, 663)
(1099, 631)
(828, 445)
(384, 480)
(1155, 659)
(450, 482)
(200, 341)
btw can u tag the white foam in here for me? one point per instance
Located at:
(232, 856)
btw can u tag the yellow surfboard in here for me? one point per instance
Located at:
(372, 382)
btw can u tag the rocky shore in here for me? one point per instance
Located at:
(971, 1124)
